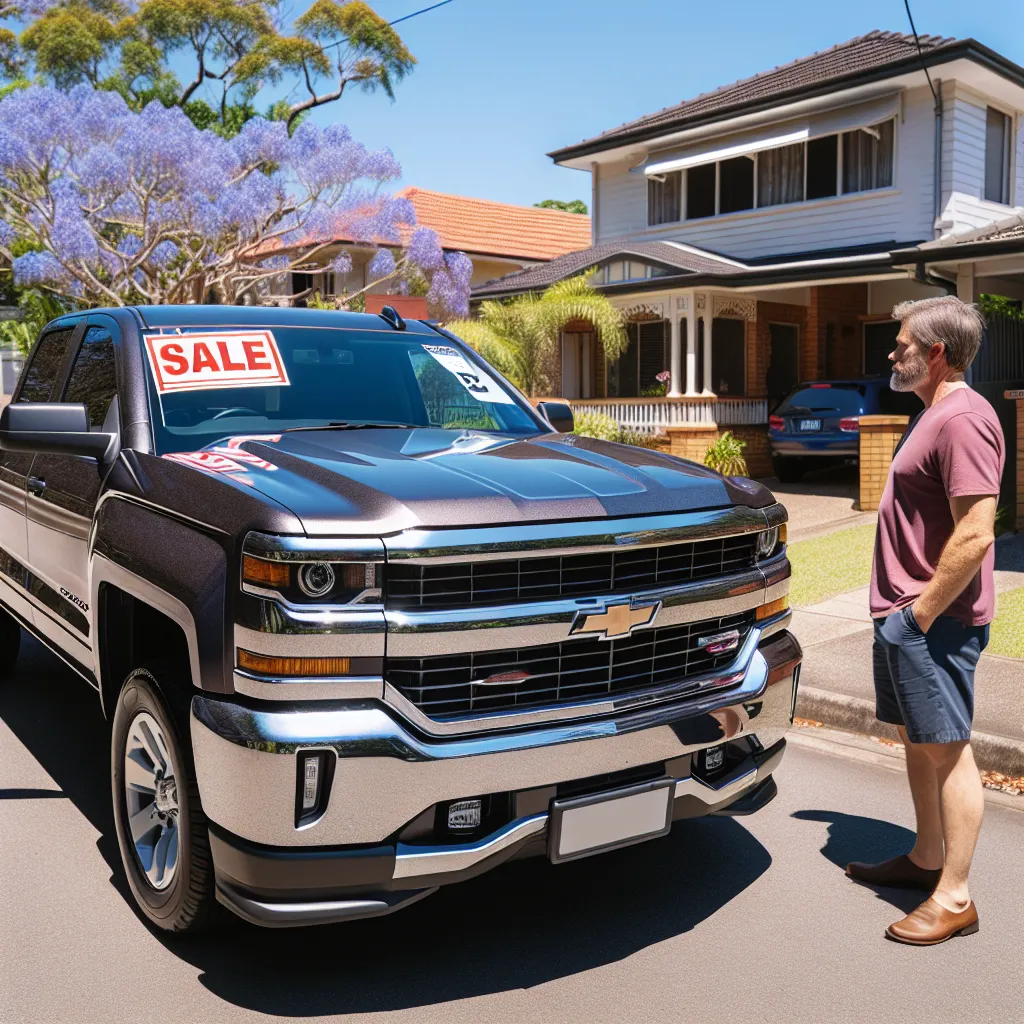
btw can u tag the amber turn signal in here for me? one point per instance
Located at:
(270, 666)
(782, 534)
(264, 573)
(767, 611)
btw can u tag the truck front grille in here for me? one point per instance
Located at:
(446, 686)
(470, 584)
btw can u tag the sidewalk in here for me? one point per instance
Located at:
(836, 685)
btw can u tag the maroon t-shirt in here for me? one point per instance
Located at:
(954, 449)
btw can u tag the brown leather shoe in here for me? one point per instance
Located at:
(900, 873)
(932, 923)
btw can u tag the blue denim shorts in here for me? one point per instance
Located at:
(925, 682)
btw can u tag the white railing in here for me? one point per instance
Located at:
(650, 415)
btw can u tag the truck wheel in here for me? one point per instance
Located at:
(10, 642)
(789, 471)
(161, 828)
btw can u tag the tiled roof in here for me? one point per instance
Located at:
(997, 231)
(843, 61)
(484, 227)
(676, 258)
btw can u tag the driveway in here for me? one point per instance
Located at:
(823, 501)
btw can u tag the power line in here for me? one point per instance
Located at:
(906, 3)
(424, 11)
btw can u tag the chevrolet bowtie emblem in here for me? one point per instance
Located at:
(616, 619)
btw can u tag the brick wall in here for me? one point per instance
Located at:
(879, 436)
(1019, 454)
(692, 441)
(842, 306)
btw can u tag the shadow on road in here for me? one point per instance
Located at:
(522, 925)
(855, 837)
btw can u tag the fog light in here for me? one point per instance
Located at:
(465, 814)
(316, 579)
(310, 782)
(714, 758)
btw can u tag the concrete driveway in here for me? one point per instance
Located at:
(823, 501)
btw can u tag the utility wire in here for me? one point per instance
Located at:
(405, 17)
(906, 3)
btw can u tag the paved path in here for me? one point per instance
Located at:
(824, 501)
(745, 920)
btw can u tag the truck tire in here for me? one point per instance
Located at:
(788, 470)
(10, 642)
(161, 828)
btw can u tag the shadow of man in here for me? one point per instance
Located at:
(855, 837)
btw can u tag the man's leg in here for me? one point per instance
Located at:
(962, 803)
(924, 789)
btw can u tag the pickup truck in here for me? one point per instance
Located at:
(364, 621)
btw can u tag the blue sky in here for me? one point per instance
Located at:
(502, 82)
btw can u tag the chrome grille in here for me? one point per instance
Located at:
(446, 686)
(421, 586)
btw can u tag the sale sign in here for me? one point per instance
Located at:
(215, 359)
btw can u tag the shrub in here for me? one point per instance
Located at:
(726, 455)
(595, 424)
(639, 440)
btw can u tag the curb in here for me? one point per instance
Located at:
(852, 714)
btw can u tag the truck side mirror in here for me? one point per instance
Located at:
(559, 415)
(51, 428)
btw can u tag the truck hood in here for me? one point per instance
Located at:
(380, 481)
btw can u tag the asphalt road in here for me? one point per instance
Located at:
(724, 920)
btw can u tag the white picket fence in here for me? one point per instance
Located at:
(651, 415)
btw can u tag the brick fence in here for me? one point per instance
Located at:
(879, 436)
(693, 440)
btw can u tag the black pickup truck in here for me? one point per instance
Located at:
(364, 621)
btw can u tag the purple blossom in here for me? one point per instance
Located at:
(276, 263)
(7, 233)
(342, 263)
(38, 268)
(425, 250)
(460, 266)
(382, 264)
(163, 254)
(72, 236)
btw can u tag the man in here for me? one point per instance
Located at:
(932, 598)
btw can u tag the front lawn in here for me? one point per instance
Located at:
(1007, 636)
(831, 564)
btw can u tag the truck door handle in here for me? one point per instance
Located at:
(36, 484)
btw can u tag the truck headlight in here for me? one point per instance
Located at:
(319, 581)
(770, 542)
(316, 578)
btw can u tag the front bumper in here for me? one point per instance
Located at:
(351, 861)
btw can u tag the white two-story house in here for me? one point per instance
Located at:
(750, 233)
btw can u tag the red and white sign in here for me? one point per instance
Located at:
(215, 359)
(212, 461)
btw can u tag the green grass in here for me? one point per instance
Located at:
(1007, 636)
(831, 564)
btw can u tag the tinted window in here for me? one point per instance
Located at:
(45, 367)
(845, 401)
(341, 376)
(92, 381)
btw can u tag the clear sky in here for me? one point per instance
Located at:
(502, 82)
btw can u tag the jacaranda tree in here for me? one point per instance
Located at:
(115, 207)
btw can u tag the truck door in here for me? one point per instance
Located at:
(62, 495)
(42, 374)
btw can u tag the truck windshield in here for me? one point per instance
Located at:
(208, 383)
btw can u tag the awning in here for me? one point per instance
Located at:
(829, 122)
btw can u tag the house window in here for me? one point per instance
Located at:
(728, 356)
(736, 185)
(780, 175)
(700, 191)
(822, 164)
(997, 156)
(867, 158)
(645, 357)
(663, 198)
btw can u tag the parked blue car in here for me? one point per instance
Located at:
(818, 423)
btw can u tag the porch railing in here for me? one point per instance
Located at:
(650, 415)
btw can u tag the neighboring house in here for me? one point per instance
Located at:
(750, 233)
(499, 238)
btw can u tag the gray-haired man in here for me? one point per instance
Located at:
(932, 597)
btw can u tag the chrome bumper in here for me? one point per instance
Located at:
(387, 773)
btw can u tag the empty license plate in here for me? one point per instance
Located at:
(810, 424)
(583, 825)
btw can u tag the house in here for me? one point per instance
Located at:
(499, 238)
(761, 233)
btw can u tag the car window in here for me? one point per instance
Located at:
(44, 369)
(842, 401)
(93, 381)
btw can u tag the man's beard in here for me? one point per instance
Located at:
(911, 375)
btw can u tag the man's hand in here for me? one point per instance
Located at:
(973, 534)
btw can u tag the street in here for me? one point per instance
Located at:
(726, 919)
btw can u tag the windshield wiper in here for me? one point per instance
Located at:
(344, 425)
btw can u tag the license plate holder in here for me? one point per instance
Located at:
(585, 825)
(810, 424)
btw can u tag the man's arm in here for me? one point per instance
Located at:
(973, 534)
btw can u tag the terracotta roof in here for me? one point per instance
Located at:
(673, 257)
(484, 227)
(829, 68)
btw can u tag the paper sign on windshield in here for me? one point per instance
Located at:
(215, 359)
(474, 380)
